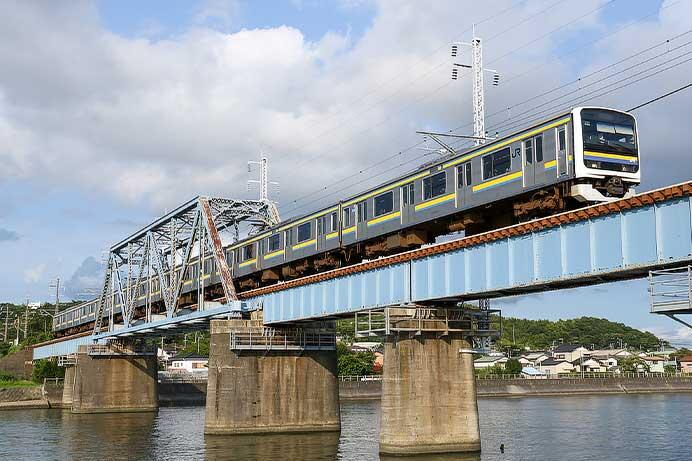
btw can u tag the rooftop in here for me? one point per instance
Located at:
(189, 356)
(567, 348)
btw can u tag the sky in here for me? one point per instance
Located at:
(113, 112)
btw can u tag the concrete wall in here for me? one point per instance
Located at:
(105, 384)
(354, 390)
(428, 396)
(22, 398)
(360, 390)
(172, 394)
(521, 387)
(252, 392)
(18, 364)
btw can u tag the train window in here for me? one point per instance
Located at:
(334, 221)
(434, 185)
(362, 211)
(384, 203)
(320, 225)
(248, 252)
(538, 141)
(469, 180)
(460, 176)
(304, 232)
(561, 140)
(273, 242)
(407, 194)
(528, 151)
(348, 217)
(288, 237)
(496, 163)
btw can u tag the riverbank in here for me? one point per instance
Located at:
(370, 388)
(21, 398)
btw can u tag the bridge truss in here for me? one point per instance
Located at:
(175, 247)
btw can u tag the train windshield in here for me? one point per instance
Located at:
(610, 140)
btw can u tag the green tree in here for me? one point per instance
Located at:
(513, 367)
(46, 369)
(353, 363)
(633, 364)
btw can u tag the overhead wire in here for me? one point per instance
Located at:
(446, 84)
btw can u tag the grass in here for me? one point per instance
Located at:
(17, 383)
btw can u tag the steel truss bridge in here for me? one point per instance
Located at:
(619, 240)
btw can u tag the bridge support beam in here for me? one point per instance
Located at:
(428, 395)
(114, 381)
(269, 383)
(68, 387)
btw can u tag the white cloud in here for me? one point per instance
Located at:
(157, 122)
(34, 274)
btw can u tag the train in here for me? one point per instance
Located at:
(574, 158)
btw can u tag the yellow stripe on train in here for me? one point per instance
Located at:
(436, 201)
(497, 181)
(384, 218)
(305, 244)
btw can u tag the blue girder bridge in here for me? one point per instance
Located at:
(620, 240)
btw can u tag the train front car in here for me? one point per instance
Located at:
(606, 154)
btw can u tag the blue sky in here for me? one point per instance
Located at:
(118, 110)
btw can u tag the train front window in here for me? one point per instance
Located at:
(610, 140)
(613, 136)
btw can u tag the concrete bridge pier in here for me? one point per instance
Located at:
(267, 380)
(428, 395)
(111, 378)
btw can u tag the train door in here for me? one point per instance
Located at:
(527, 162)
(561, 144)
(407, 201)
(538, 160)
(322, 233)
(362, 216)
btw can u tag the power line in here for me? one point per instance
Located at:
(444, 85)
(582, 46)
(660, 97)
(400, 111)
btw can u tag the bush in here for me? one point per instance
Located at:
(46, 369)
(5, 376)
(513, 367)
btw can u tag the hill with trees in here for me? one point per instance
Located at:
(591, 332)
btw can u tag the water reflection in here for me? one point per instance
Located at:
(310, 446)
(108, 436)
(445, 457)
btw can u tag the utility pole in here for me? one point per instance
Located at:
(263, 180)
(477, 70)
(56, 285)
(7, 321)
(26, 319)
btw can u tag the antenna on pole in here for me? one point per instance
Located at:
(477, 70)
(263, 180)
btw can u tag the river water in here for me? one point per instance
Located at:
(631, 427)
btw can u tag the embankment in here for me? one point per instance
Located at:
(12, 398)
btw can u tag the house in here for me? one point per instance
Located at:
(532, 373)
(189, 362)
(553, 367)
(655, 363)
(532, 359)
(589, 365)
(604, 354)
(569, 352)
(686, 364)
(487, 361)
